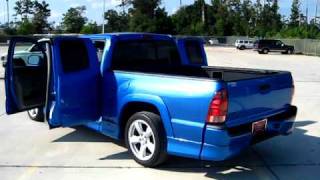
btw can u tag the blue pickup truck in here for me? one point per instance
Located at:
(155, 92)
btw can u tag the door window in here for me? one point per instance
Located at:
(74, 56)
(278, 43)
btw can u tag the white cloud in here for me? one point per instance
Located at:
(174, 10)
(55, 14)
(98, 4)
(75, 5)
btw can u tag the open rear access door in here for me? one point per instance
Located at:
(25, 75)
(75, 96)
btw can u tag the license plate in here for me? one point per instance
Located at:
(259, 127)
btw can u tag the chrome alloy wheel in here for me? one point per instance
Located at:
(141, 140)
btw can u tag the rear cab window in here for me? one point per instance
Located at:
(145, 55)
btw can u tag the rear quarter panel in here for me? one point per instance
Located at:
(182, 102)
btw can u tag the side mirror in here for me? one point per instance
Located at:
(4, 61)
(34, 60)
(3, 58)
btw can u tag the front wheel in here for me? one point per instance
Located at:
(265, 51)
(290, 51)
(242, 48)
(145, 138)
(36, 114)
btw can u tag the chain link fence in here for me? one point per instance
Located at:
(302, 46)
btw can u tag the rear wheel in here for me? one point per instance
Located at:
(265, 51)
(242, 48)
(36, 114)
(290, 51)
(145, 138)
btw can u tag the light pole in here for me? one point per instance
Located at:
(307, 11)
(103, 20)
(8, 12)
(316, 15)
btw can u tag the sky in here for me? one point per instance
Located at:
(95, 7)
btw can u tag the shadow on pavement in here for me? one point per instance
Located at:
(249, 163)
(120, 156)
(83, 134)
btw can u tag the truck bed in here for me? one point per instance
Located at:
(253, 94)
(217, 73)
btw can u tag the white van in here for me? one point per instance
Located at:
(244, 44)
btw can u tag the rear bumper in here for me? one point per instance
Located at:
(222, 143)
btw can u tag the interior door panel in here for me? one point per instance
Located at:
(25, 83)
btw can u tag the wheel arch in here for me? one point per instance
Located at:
(139, 102)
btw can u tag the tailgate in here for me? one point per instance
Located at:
(255, 99)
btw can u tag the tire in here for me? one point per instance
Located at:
(242, 48)
(154, 152)
(265, 51)
(36, 114)
(260, 52)
(290, 51)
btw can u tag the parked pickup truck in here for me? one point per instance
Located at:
(154, 91)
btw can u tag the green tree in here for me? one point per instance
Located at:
(295, 13)
(222, 26)
(188, 20)
(147, 16)
(73, 20)
(276, 23)
(163, 23)
(182, 20)
(24, 8)
(117, 22)
(26, 27)
(234, 21)
(40, 18)
(248, 17)
(268, 20)
(90, 28)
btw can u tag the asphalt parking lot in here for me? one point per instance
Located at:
(28, 150)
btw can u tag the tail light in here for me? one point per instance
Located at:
(218, 108)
